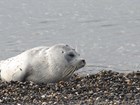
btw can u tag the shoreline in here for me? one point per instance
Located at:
(102, 88)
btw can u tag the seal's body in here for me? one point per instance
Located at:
(42, 64)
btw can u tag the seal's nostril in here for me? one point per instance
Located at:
(84, 61)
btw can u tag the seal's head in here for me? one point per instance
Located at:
(66, 61)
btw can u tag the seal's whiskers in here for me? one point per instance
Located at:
(69, 71)
(66, 71)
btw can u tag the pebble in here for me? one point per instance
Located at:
(43, 96)
(103, 88)
(1, 101)
(44, 103)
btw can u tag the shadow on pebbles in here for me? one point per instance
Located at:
(103, 88)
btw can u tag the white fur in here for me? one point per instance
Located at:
(41, 65)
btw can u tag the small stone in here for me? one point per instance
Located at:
(25, 97)
(129, 82)
(91, 92)
(1, 101)
(55, 103)
(35, 101)
(43, 96)
(44, 103)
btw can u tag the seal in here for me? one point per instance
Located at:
(42, 64)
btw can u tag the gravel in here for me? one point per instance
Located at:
(103, 88)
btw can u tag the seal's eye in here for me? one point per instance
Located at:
(71, 55)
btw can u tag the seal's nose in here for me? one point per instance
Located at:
(83, 61)
(81, 64)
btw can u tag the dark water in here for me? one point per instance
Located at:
(105, 32)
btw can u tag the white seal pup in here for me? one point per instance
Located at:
(42, 64)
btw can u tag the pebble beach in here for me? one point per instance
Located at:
(102, 88)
